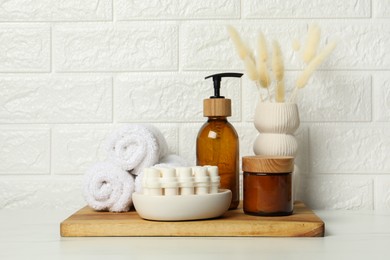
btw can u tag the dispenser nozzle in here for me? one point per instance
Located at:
(217, 81)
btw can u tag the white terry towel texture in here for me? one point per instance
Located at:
(135, 146)
(168, 161)
(108, 187)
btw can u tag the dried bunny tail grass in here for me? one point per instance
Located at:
(241, 48)
(277, 62)
(261, 65)
(250, 69)
(296, 45)
(262, 47)
(313, 39)
(263, 73)
(313, 65)
(280, 92)
(250, 54)
(262, 98)
(278, 69)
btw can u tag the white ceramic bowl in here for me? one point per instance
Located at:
(182, 207)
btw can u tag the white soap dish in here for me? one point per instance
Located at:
(187, 207)
(183, 193)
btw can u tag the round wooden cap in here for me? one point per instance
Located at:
(268, 164)
(217, 107)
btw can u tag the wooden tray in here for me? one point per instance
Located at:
(87, 222)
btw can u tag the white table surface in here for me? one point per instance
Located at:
(34, 234)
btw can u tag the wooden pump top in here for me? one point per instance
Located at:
(217, 107)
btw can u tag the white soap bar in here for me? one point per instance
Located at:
(198, 180)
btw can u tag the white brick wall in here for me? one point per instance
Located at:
(72, 71)
(55, 99)
(306, 9)
(24, 48)
(25, 151)
(49, 10)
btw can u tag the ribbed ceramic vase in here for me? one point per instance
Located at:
(276, 123)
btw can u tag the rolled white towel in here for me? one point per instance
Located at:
(135, 146)
(108, 187)
(168, 161)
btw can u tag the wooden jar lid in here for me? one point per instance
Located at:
(268, 164)
(217, 107)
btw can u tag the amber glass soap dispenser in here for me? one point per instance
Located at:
(217, 141)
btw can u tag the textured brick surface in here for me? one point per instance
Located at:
(173, 97)
(339, 192)
(327, 97)
(351, 148)
(41, 99)
(303, 156)
(340, 98)
(206, 46)
(361, 45)
(58, 10)
(381, 97)
(24, 48)
(177, 9)
(76, 148)
(122, 47)
(24, 151)
(171, 134)
(36, 193)
(306, 9)
(381, 9)
(382, 193)
(187, 141)
(247, 133)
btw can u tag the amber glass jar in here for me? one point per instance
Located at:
(268, 185)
